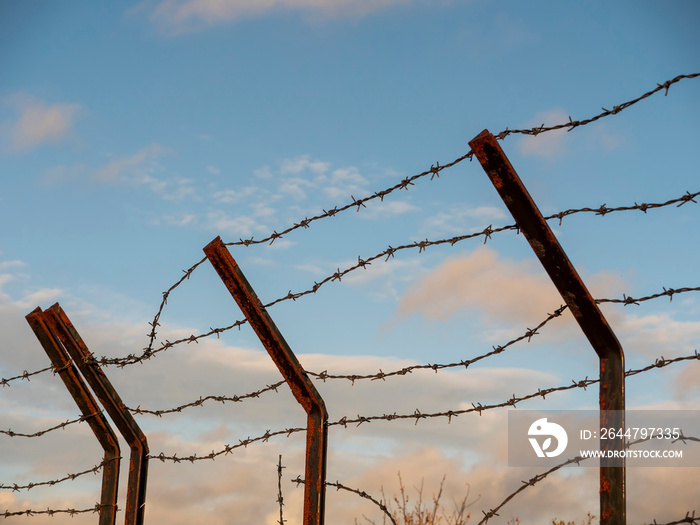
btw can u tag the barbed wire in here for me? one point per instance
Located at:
(529, 334)
(338, 486)
(24, 375)
(359, 420)
(689, 518)
(387, 254)
(324, 375)
(606, 112)
(358, 204)
(280, 498)
(434, 171)
(46, 431)
(51, 512)
(526, 484)
(15, 487)
(578, 459)
(418, 415)
(201, 400)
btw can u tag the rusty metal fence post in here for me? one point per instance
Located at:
(303, 389)
(64, 367)
(583, 307)
(56, 326)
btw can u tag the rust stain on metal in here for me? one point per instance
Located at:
(302, 388)
(585, 310)
(570, 300)
(62, 328)
(89, 409)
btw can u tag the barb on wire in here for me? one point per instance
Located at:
(417, 415)
(298, 480)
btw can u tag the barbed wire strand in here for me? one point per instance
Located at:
(338, 486)
(280, 499)
(51, 429)
(15, 487)
(387, 254)
(362, 263)
(359, 420)
(689, 518)
(578, 459)
(324, 375)
(418, 415)
(434, 171)
(201, 400)
(51, 512)
(25, 375)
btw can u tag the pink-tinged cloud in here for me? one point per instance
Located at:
(501, 289)
(39, 122)
(185, 16)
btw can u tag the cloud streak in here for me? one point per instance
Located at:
(176, 17)
(39, 122)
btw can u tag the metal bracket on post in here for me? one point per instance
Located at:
(66, 370)
(63, 330)
(303, 389)
(583, 307)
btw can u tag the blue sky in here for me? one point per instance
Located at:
(133, 133)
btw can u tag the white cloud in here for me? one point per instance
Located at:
(344, 182)
(183, 16)
(304, 163)
(381, 210)
(238, 226)
(654, 335)
(4, 265)
(142, 169)
(39, 122)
